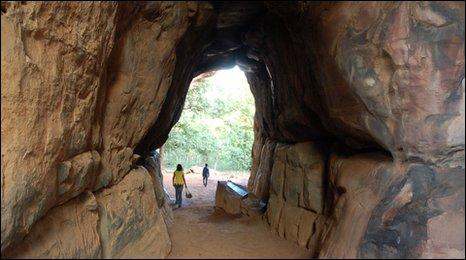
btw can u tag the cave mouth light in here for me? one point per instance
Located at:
(216, 125)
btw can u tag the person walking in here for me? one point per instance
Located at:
(205, 175)
(178, 182)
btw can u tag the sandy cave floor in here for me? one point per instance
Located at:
(201, 231)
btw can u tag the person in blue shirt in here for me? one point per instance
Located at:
(205, 175)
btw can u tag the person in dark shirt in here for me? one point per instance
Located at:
(205, 175)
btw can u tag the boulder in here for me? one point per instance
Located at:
(67, 231)
(252, 206)
(227, 198)
(131, 224)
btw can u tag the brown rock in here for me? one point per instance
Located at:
(278, 170)
(274, 211)
(296, 224)
(131, 224)
(112, 77)
(302, 172)
(261, 182)
(227, 199)
(252, 206)
(152, 164)
(293, 223)
(67, 231)
(55, 56)
(293, 184)
(140, 76)
(357, 186)
(446, 236)
(398, 219)
(289, 221)
(311, 160)
(256, 152)
(77, 174)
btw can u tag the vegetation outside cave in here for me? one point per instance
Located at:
(216, 126)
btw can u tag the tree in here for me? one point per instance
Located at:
(215, 129)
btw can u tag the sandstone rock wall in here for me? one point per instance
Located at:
(296, 202)
(369, 76)
(390, 72)
(152, 164)
(82, 85)
(359, 112)
(376, 204)
(259, 181)
(131, 224)
(50, 88)
(360, 76)
(423, 199)
(67, 231)
(357, 185)
(119, 222)
(140, 75)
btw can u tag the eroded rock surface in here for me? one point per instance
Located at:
(68, 231)
(77, 174)
(131, 224)
(50, 91)
(152, 164)
(259, 181)
(359, 112)
(355, 182)
(296, 193)
(73, 80)
(227, 198)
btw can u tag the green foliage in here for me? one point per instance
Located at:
(215, 128)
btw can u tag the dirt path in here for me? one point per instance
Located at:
(201, 231)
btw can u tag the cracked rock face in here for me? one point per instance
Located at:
(68, 231)
(359, 124)
(131, 224)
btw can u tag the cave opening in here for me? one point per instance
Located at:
(300, 132)
(358, 148)
(215, 128)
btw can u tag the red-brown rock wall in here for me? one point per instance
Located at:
(359, 119)
(82, 83)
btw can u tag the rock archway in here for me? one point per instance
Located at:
(359, 125)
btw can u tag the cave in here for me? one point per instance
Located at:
(358, 131)
(215, 127)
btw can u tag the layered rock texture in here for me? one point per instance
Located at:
(359, 124)
(229, 196)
